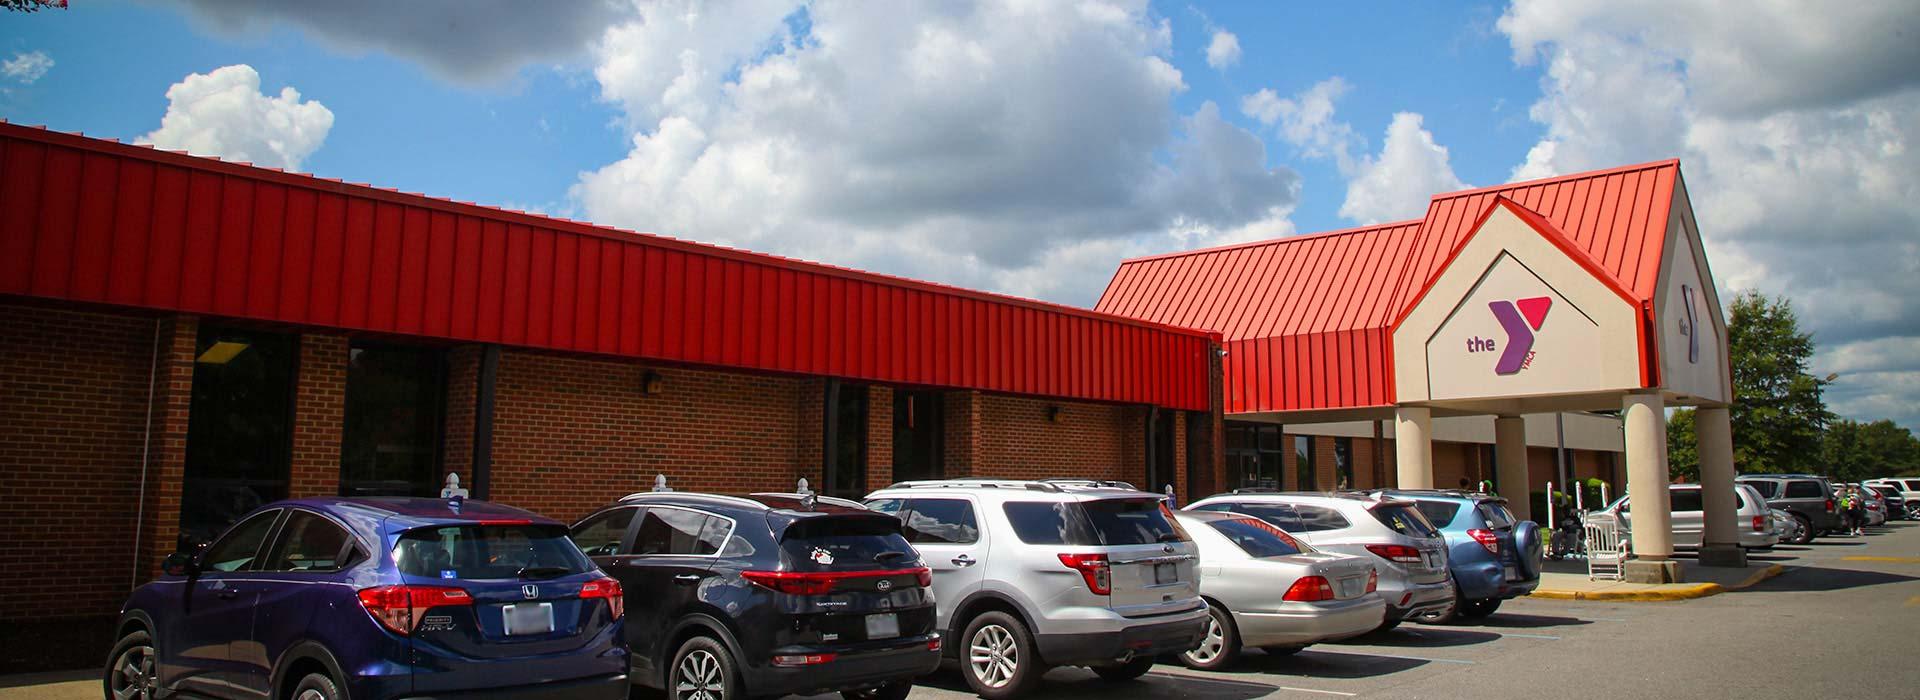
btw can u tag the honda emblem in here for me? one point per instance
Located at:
(530, 591)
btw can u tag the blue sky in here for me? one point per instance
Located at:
(1026, 146)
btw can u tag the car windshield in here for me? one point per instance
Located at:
(844, 544)
(488, 552)
(1105, 522)
(1438, 512)
(1258, 538)
(1404, 519)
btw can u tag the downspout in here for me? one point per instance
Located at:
(146, 449)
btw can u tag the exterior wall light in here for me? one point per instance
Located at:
(651, 383)
(1053, 414)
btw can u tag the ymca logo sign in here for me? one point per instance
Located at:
(1519, 318)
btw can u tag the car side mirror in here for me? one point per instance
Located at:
(179, 564)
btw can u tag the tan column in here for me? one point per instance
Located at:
(1721, 538)
(1645, 416)
(1510, 455)
(1413, 443)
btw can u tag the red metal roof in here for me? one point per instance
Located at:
(1307, 319)
(90, 220)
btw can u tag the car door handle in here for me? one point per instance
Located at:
(963, 561)
(686, 579)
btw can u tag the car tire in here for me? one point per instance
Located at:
(1289, 650)
(999, 660)
(896, 690)
(1477, 609)
(1134, 668)
(1221, 645)
(1806, 530)
(316, 686)
(703, 665)
(132, 665)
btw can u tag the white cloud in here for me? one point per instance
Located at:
(223, 113)
(1010, 145)
(469, 41)
(26, 66)
(1797, 134)
(1223, 50)
(1306, 120)
(1398, 183)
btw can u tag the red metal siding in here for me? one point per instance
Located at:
(89, 220)
(1307, 319)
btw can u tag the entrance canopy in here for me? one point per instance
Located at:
(1548, 295)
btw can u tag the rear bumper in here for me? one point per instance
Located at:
(1172, 634)
(1310, 622)
(1418, 599)
(604, 688)
(853, 668)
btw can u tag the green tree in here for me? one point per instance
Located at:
(1779, 417)
(1683, 449)
(1854, 450)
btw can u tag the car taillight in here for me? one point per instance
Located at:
(791, 660)
(1094, 568)
(1759, 523)
(609, 590)
(1829, 505)
(824, 582)
(1373, 580)
(399, 608)
(1487, 539)
(934, 644)
(1396, 553)
(1309, 589)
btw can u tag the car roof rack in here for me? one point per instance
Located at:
(977, 482)
(1095, 483)
(829, 500)
(690, 495)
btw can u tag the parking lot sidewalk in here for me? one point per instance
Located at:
(1707, 580)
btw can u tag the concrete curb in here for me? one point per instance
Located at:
(1652, 595)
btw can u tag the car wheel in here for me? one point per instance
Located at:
(1284, 651)
(1220, 647)
(1806, 529)
(702, 670)
(316, 686)
(1000, 658)
(1478, 608)
(130, 671)
(1130, 670)
(896, 690)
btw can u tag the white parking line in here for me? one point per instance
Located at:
(1395, 656)
(1317, 690)
(1528, 636)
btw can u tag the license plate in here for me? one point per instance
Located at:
(1433, 560)
(883, 626)
(529, 618)
(1166, 573)
(1513, 573)
(1350, 587)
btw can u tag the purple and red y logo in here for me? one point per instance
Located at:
(1519, 318)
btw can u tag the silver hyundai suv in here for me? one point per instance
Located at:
(1414, 578)
(1029, 575)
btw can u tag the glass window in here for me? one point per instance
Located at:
(1913, 484)
(601, 534)
(673, 531)
(1318, 519)
(919, 435)
(1404, 519)
(1303, 474)
(890, 506)
(1767, 489)
(308, 542)
(488, 552)
(1253, 455)
(941, 521)
(239, 436)
(847, 474)
(1343, 462)
(1046, 523)
(391, 444)
(1280, 515)
(1684, 500)
(1258, 538)
(1124, 521)
(1440, 513)
(1160, 467)
(846, 543)
(1805, 489)
(238, 547)
(1496, 515)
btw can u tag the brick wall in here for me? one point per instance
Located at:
(879, 437)
(319, 414)
(463, 390)
(962, 413)
(572, 434)
(73, 405)
(1014, 439)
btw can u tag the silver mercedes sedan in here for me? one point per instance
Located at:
(1267, 589)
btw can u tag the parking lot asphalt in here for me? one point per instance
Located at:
(1840, 621)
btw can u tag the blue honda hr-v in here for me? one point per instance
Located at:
(316, 599)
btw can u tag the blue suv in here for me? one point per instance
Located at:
(1492, 557)
(324, 598)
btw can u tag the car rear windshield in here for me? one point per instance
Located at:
(1887, 491)
(1805, 489)
(1767, 489)
(1404, 519)
(1258, 538)
(846, 544)
(1106, 522)
(1439, 513)
(1497, 515)
(488, 552)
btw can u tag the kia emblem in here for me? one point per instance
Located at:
(530, 591)
(884, 585)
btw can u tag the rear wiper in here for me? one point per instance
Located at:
(543, 571)
(883, 556)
